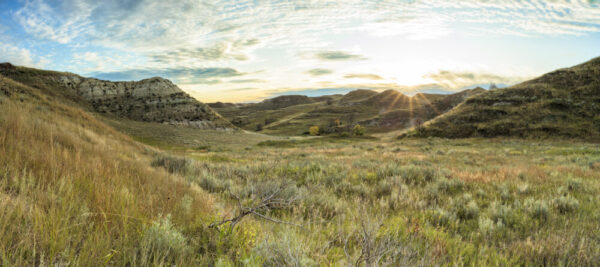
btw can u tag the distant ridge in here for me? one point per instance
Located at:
(378, 111)
(151, 100)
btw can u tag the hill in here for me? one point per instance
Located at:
(149, 100)
(357, 95)
(379, 111)
(562, 103)
(73, 190)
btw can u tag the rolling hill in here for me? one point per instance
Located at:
(562, 103)
(378, 111)
(149, 100)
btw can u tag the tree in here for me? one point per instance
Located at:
(314, 130)
(358, 130)
(259, 127)
(493, 86)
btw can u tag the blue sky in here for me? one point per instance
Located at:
(250, 50)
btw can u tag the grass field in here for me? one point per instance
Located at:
(75, 191)
(411, 202)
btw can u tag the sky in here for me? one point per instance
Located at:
(246, 51)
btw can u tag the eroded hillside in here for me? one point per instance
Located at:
(150, 100)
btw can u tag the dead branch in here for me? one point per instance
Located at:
(265, 205)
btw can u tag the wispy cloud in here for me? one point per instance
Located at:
(337, 56)
(225, 50)
(183, 75)
(452, 79)
(247, 81)
(319, 72)
(363, 76)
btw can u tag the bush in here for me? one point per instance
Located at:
(171, 164)
(488, 227)
(505, 194)
(358, 130)
(565, 204)
(415, 175)
(503, 214)
(466, 208)
(162, 242)
(314, 130)
(214, 185)
(442, 217)
(285, 250)
(382, 189)
(537, 209)
(574, 184)
(450, 186)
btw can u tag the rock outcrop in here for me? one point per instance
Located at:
(151, 100)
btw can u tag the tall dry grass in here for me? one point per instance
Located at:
(75, 192)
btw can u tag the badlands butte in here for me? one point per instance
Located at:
(150, 100)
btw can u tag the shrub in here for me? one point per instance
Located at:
(442, 217)
(162, 242)
(505, 194)
(285, 250)
(449, 186)
(466, 208)
(326, 205)
(171, 164)
(383, 189)
(213, 185)
(314, 130)
(358, 130)
(415, 175)
(574, 184)
(523, 189)
(488, 227)
(566, 204)
(537, 209)
(502, 214)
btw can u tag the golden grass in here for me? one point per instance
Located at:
(73, 191)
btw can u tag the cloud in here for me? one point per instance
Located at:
(363, 76)
(319, 72)
(225, 50)
(454, 79)
(59, 22)
(180, 75)
(20, 56)
(247, 81)
(337, 56)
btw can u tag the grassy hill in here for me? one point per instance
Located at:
(73, 191)
(378, 111)
(562, 103)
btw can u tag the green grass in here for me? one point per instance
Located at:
(433, 201)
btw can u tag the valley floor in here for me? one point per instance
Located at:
(408, 202)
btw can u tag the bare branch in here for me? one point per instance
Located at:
(266, 204)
